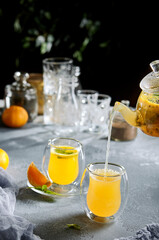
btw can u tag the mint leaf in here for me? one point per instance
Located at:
(45, 190)
(65, 151)
(75, 226)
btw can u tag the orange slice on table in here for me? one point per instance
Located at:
(36, 178)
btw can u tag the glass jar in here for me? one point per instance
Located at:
(36, 80)
(21, 93)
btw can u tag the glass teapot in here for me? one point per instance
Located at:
(146, 115)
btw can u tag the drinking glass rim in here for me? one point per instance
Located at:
(64, 138)
(58, 60)
(85, 91)
(123, 171)
(104, 96)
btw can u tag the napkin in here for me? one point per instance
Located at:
(149, 232)
(12, 227)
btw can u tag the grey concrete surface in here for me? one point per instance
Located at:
(140, 157)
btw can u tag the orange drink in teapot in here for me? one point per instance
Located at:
(146, 115)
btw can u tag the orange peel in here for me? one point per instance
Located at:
(36, 178)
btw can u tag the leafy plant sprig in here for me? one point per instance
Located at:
(46, 190)
(75, 226)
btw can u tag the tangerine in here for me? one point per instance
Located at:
(15, 116)
(4, 159)
(36, 178)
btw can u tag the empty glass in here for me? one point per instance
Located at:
(66, 113)
(101, 114)
(53, 70)
(87, 100)
(63, 163)
(104, 193)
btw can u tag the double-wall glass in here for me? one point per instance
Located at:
(63, 163)
(104, 192)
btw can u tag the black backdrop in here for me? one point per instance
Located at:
(131, 28)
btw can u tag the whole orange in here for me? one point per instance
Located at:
(15, 116)
(4, 159)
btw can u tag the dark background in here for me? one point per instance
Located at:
(115, 60)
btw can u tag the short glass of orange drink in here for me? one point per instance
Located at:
(104, 192)
(63, 163)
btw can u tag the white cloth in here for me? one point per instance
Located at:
(149, 232)
(12, 227)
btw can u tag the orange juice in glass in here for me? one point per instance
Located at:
(63, 163)
(104, 197)
(103, 192)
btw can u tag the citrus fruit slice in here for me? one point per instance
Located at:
(64, 150)
(15, 116)
(4, 159)
(36, 178)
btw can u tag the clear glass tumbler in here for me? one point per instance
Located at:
(87, 100)
(63, 163)
(101, 114)
(104, 193)
(53, 70)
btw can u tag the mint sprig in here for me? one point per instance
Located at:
(75, 226)
(46, 190)
(65, 151)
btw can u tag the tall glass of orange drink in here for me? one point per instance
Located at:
(104, 191)
(63, 163)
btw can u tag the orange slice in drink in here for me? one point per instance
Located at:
(36, 178)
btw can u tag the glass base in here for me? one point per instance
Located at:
(66, 131)
(96, 130)
(98, 219)
(100, 129)
(65, 190)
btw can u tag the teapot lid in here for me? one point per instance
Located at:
(150, 83)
